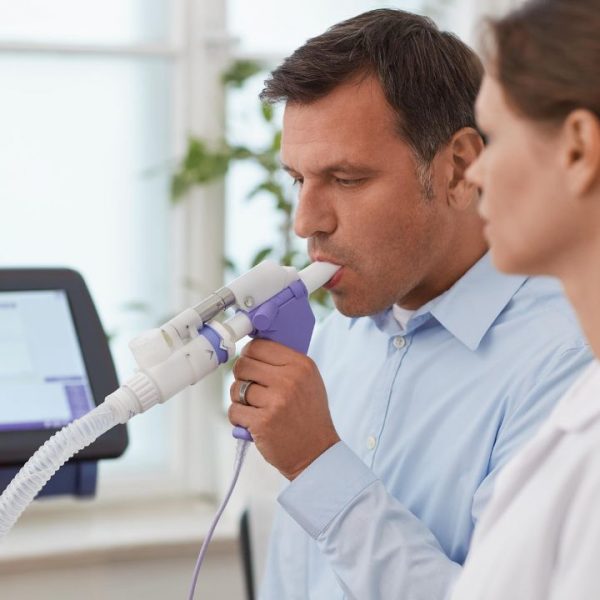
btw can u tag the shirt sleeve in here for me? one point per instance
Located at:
(533, 401)
(376, 547)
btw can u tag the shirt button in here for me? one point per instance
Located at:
(399, 342)
(371, 442)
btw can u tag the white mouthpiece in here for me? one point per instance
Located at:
(317, 274)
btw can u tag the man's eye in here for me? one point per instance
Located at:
(297, 180)
(349, 182)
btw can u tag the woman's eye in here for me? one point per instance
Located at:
(297, 180)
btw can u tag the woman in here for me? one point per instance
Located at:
(540, 178)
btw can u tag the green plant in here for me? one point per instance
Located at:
(205, 163)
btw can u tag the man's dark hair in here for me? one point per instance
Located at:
(429, 77)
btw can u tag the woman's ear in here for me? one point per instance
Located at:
(462, 151)
(581, 154)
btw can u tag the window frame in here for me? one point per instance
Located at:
(197, 48)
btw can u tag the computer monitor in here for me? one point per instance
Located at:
(55, 363)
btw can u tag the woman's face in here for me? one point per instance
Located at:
(525, 202)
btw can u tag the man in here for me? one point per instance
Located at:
(435, 368)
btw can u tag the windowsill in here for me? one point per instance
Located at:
(79, 533)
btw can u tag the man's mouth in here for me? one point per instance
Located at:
(318, 256)
(335, 279)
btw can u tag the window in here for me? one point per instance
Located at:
(106, 22)
(92, 113)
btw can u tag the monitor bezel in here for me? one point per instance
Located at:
(16, 447)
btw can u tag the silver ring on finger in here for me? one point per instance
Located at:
(243, 391)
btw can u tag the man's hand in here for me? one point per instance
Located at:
(287, 412)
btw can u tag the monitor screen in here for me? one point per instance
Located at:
(43, 379)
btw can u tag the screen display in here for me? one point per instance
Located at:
(43, 380)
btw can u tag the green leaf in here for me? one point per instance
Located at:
(276, 143)
(288, 258)
(179, 187)
(240, 71)
(241, 153)
(322, 298)
(268, 160)
(261, 255)
(284, 205)
(196, 149)
(267, 111)
(202, 165)
(268, 186)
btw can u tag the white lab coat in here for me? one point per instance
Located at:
(539, 538)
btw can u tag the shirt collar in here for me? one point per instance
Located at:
(469, 308)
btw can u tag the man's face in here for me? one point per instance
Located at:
(360, 202)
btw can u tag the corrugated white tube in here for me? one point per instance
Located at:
(49, 458)
(185, 367)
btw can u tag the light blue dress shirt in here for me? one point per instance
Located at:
(427, 417)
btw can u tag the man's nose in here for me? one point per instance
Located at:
(315, 212)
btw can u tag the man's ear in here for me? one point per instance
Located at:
(581, 155)
(462, 150)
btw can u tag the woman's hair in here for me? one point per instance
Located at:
(546, 55)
